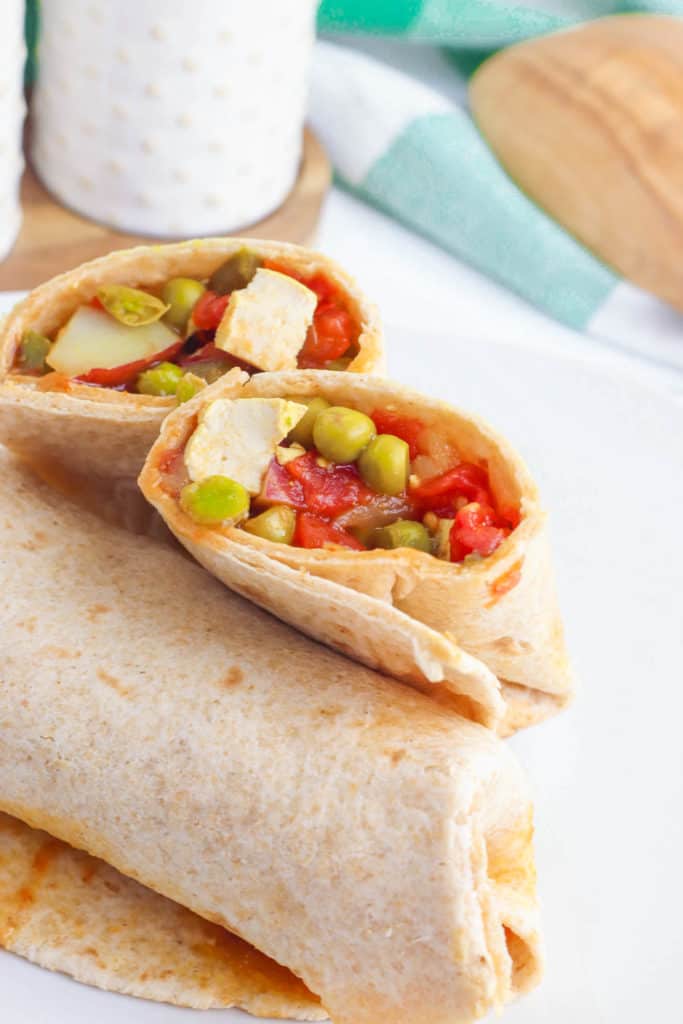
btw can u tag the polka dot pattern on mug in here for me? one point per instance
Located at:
(12, 110)
(191, 124)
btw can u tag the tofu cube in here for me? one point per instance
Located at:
(266, 323)
(237, 438)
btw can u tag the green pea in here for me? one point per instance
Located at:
(161, 380)
(218, 499)
(341, 434)
(181, 295)
(188, 386)
(302, 433)
(385, 464)
(235, 273)
(404, 533)
(276, 524)
(131, 306)
(33, 349)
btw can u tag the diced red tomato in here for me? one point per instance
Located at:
(314, 532)
(329, 337)
(466, 480)
(173, 470)
(279, 488)
(127, 372)
(476, 528)
(209, 309)
(328, 491)
(512, 515)
(407, 429)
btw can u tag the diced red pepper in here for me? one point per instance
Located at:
(279, 488)
(116, 376)
(476, 528)
(512, 515)
(209, 309)
(328, 491)
(465, 480)
(314, 532)
(409, 430)
(329, 337)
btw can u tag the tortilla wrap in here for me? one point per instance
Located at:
(69, 912)
(96, 430)
(347, 827)
(412, 615)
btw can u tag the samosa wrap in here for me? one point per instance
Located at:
(373, 843)
(80, 385)
(69, 912)
(427, 557)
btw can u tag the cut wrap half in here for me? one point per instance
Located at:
(92, 361)
(69, 912)
(347, 827)
(389, 525)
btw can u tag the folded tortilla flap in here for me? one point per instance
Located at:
(67, 911)
(331, 817)
(101, 430)
(501, 610)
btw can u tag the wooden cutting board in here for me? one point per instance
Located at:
(53, 238)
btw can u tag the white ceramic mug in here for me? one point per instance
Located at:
(12, 109)
(172, 117)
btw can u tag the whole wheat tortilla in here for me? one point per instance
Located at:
(98, 431)
(69, 912)
(350, 829)
(444, 628)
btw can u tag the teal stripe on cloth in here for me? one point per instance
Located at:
(381, 16)
(473, 24)
(481, 23)
(440, 178)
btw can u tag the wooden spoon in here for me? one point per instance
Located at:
(589, 122)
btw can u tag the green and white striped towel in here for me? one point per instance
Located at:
(477, 24)
(406, 149)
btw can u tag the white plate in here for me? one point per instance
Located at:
(605, 445)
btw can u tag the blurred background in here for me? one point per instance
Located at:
(512, 136)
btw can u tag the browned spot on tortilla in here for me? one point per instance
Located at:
(396, 755)
(95, 610)
(511, 856)
(34, 543)
(330, 712)
(29, 624)
(505, 583)
(89, 871)
(15, 905)
(233, 676)
(54, 382)
(53, 651)
(25, 896)
(112, 681)
(44, 857)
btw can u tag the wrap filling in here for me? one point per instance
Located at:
(303, 472)
(171, 341)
